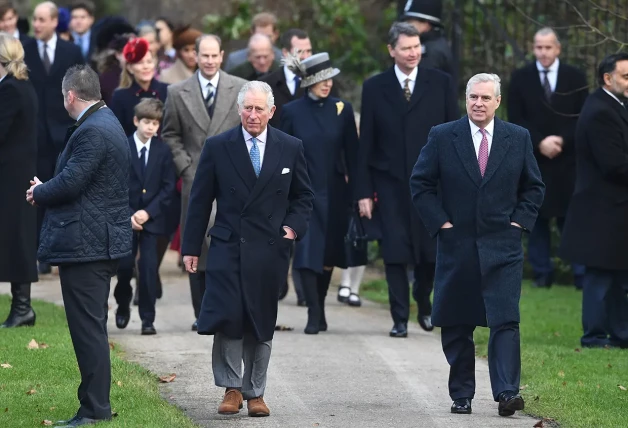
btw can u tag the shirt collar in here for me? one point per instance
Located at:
(612, 95)
(489, 128)
(83, 112)
(84, 36)
(261, 138)
(2, 78)
(402, 76)
(203, 81)
(139, 145)
(552, 68)
(52, 43)
(289, 74)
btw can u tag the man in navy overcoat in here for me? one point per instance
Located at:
(477, 188)
(258, 177)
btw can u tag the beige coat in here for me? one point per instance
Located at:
(187, 125)
(176, 73)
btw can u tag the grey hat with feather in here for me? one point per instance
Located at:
(312, 70)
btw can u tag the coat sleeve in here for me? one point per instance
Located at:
(531, 190)
(351, 144)
(10, 108)
(516, 110)
(424, 186)
(609, 148)
(202, 197)
(363, 179)
(167, 186)
(171, 134)
(300, 197)
(88, 152)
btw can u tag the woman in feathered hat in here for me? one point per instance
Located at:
(327, 127)
(137, 81)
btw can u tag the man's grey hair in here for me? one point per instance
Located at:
(399, 28)
(261, 39)
(546, 31)
(482, 78)
(83, 81)
(256, 86)
(200, 39)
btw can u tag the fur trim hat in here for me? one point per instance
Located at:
(135, 50)
(184, 36)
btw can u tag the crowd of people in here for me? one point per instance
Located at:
(139, 139)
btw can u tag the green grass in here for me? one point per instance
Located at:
(576, 387)
(53, 374)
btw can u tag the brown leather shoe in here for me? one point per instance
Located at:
(232, 403)
(257, 407)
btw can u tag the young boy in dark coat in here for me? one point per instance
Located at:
(152, 182)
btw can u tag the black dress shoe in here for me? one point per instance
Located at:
(78, 421)
(509, 403)
(399, 330)
(148, 330)
(123, 316)
(195, 326)
(461, 406)
(544, 281)
(425, 321)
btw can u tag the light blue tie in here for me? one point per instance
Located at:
(255, 156)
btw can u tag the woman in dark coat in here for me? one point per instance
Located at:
(137, 81)
(18, 156)
(326, 125)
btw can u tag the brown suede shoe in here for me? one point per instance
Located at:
(257, 407)
(232, 403)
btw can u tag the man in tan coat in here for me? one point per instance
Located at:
(198, 108)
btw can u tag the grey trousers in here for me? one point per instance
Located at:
(227, 357)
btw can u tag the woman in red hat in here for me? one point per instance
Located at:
(137, 81)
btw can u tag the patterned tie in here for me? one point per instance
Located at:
(255, 156)
(46, 59)
(209, 99)
(483, 152)
(406, 90)
(143, 160)
(547, 88)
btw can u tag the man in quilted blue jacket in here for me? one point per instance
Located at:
(86, 230)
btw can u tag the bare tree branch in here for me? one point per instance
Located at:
(607, 10)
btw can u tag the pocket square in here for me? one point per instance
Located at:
(285, 171)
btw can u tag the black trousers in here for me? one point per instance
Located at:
(604, 308)
(85, 288)
(148, 267)
(197, 290)
(399, 290)
(504, 359)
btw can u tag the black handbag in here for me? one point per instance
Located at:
(356, 241)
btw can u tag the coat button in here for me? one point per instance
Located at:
(271, 242)
(242, 240)
(270, 216)
(62, 223)
(143, 190)
(232, 190)
(242, 214)
(279, 192)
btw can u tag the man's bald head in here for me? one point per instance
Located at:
(45, 20)
(261, 54)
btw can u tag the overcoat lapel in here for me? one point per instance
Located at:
(241, 160)
(420, 86)
(135, 160)
(193, 99)
(394, 93)
(272, 154)
(499, 148)
(463, 142)
(224, 100)
(152, 163)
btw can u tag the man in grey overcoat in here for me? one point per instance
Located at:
(477, 188)
(198, 108)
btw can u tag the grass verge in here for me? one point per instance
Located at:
(41, 384)
(576, 387)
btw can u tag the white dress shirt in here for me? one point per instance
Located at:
(552, 74)
(290, 76)
(16, 34)
(261, 143)
(2, 78)
(139, 146)
(477, 136)
(401, 76)
(613, 95)
(203, 82)
(51, 46)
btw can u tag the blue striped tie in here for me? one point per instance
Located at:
(255, 156)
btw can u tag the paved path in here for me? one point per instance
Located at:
(354, 375)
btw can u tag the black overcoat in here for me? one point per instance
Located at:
(528, 107)
(479, 264)
(18, 165)
(248, 256)
(330, 139)
(596, 228)
(392, 133)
